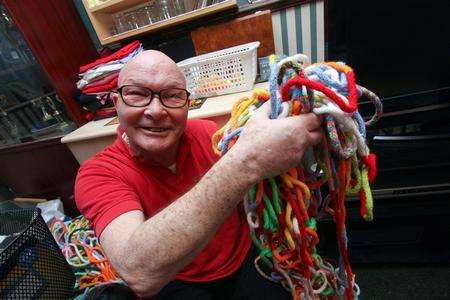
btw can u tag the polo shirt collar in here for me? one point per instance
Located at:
(182, 155)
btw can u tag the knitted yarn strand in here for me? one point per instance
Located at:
(282, 211)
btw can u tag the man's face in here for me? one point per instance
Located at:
(155, 129)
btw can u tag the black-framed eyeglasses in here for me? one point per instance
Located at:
(138, 96)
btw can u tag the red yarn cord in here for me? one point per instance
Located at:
(299, 82)
(302, 237)
(363, 208)
(340, 214)
(306, 257)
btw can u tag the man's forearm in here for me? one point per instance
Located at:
(169, 240)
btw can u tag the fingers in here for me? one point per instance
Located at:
(263, 111)
(310, 121)
(315, 136)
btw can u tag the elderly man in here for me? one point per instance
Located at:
(162, 203)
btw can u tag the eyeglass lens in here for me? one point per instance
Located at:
(140, 96)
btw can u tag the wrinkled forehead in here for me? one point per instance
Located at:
(155, 75)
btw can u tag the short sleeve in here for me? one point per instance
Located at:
(202, 131)
(210, 127)
(101, 196)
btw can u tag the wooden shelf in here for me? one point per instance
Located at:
(113, 6)
(101, 17)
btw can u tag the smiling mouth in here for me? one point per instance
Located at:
(154, 129)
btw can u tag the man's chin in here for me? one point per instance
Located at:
(155, 145)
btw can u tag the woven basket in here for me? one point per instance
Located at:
(222, 72)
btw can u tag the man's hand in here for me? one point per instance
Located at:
(269, 147)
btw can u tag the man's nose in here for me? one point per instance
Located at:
(155, 109)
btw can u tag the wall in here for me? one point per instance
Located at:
(301, 29)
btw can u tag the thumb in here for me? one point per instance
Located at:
(263, 111)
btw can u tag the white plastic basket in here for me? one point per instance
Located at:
(222, 72)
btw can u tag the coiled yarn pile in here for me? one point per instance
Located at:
(82, 250)
(282, 211)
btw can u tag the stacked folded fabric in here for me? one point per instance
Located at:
(99, 78)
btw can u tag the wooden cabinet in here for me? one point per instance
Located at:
(103, 17)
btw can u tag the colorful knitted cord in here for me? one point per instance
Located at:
(282, 211)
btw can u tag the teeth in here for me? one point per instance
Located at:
(155, 129)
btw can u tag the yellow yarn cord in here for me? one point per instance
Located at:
(239, 115)
(290, 227)
(368, 194)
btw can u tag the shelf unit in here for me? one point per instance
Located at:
(101, 17)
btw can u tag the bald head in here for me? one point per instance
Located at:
(151, 68)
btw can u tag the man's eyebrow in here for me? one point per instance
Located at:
(131, 81)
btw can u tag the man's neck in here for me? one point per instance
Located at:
(165, 158)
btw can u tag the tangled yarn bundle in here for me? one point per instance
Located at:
(282, 211)
(83, 252)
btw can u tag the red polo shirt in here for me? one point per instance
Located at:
(114, 182)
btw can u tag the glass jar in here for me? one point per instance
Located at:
(178, 7)
(164, 9)
(120, 23)
(141, 17)
(131, 20)
(147, 14)
(153, 9)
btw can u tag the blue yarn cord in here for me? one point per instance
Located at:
(319, 71)
(361, 124)
(227, 138)
(275, 101)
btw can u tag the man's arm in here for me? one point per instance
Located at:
(149, 253)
